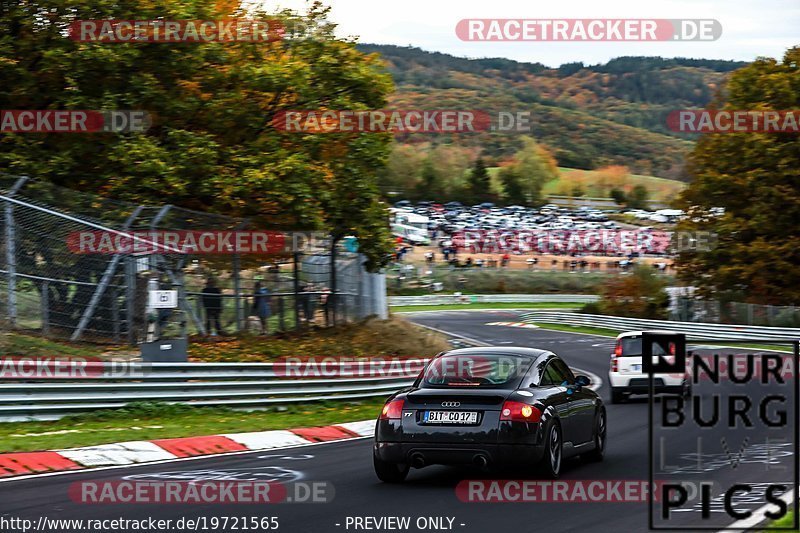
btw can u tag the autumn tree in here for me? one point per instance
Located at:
(755, 178)
(211, 146)
(535, 166)
(640, 294)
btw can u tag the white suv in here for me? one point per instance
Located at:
(626, 376)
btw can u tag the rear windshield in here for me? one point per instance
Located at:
(476, 371)
(632, 346)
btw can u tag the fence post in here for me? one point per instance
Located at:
(45, 308)
(296, 288)
(130, 298)
(11, 265)
(333, 300)
(11, 253)
(237, 291)
(115, 314)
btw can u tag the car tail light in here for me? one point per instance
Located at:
(618, 348)
(392, 410)
(616, 353)
(520, 412)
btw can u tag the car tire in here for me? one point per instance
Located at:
(553, 451)
(617, 396)
(390, 472)
(600, 433)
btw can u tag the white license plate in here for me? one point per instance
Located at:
(450, 417)
(636, 368)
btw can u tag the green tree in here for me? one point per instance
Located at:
(513, 191)
(754, 177)
(451, 163)
(430, 185)
(478, 183)
(535, 166)
(637, 199)
(403, 170)
(619, 196)
(212, 145)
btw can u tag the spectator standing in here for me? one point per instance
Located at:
(212, 303)
(261, 305)
(325, 300)
(308, 302)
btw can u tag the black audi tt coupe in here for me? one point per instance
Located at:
(489, 407)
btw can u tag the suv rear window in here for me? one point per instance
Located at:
(632, 347)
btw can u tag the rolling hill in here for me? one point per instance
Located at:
(589, 116)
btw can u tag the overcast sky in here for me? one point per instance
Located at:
(750, 28)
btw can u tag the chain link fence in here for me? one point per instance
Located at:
(53, 285)
(695, 310)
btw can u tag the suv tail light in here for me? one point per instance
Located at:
(616, 353)
(392, 410)
(520, 412)
(618, 348)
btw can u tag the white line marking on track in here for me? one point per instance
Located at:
(758, 515)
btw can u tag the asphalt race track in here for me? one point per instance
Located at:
(430, 492)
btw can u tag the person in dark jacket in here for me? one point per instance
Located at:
(261, 305)
(212, 303)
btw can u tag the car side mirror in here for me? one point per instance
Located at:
(582, 381)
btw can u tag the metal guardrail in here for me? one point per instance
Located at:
(246, 385)
(442, 299)
(693, 330)
(254, 385)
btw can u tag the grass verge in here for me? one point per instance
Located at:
(21, 345)
(396, 337)
(783, 523)
(480, 306)
(146, 421)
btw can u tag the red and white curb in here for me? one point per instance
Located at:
(513, 325)
(133, 452)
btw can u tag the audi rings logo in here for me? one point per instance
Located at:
(451, 404)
